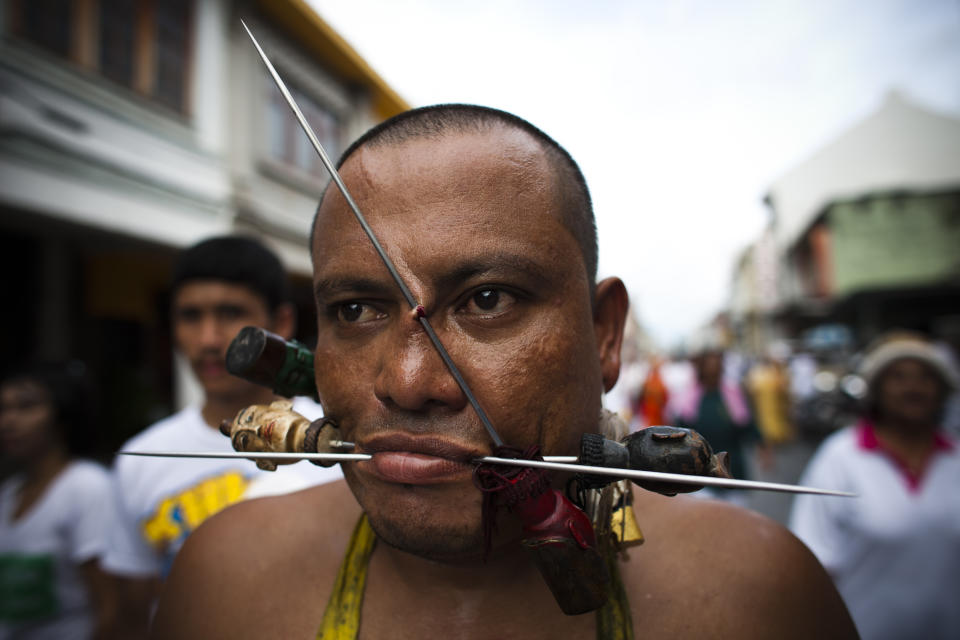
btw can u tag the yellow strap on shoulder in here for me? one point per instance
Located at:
(613, 618)
(341, 620)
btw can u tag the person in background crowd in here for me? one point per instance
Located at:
(651, 401)
(769, 384)
(717, 409)
(802, 369)
(55, 511)
(894, 552)
(219, 286)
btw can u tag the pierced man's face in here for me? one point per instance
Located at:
(207, 315)
(470, 221)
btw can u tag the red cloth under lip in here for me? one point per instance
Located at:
(868, 441)
(545, 513)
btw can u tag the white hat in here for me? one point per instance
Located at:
(903, 345)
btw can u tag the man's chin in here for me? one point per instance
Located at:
(228, 388)
(437, 522)
(440, 522)
(439, 542)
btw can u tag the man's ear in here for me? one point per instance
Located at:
(609, 318)
(284, 320)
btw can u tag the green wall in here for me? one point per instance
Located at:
(894, 241)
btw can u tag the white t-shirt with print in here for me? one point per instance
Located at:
(162, 500)
(42, 591)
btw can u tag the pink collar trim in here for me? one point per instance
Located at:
(868, 441)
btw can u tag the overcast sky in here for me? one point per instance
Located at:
(680, 114)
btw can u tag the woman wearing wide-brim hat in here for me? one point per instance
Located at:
(894, 552)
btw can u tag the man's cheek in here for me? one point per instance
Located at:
(533, 394)
(344, 384)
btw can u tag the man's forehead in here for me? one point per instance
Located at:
(484, 193)
(498, 141)
(499, 153)
(211, 290)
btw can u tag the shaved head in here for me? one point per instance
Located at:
(569, 185)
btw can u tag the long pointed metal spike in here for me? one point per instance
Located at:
(249, 455)
(556, 463)
(659, 476)
(264, 455)
(335, 176)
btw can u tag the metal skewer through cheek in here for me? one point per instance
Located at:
(557, 463)
(335, 176)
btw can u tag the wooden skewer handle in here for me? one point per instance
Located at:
(277, 428)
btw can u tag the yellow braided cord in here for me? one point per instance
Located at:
(613, 618)
(341, 620)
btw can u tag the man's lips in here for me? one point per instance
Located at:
(211, 367)
(406, 459)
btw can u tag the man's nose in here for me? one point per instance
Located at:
(212, 333)
(413, 376)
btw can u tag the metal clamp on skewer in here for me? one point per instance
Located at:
(266, 359)
(661, 448)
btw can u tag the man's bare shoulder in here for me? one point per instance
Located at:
(708, 567)
(259, 564)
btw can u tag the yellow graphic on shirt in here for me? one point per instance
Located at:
(178, 515)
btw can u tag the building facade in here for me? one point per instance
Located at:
(865, 232)
(132, 128)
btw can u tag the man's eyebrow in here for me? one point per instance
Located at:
(497, 265)
(328, 287)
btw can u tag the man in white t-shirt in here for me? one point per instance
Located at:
(219, 286)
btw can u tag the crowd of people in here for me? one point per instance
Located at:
(886, 431)
(404, 547)
(83, 551)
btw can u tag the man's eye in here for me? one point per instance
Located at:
(486, 299)
(356, 312)
(229, 312)
(490, 302)
(188, 314)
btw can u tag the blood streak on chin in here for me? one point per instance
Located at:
(416, 468)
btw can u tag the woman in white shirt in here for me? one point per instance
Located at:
(55, 511)
(894, 552)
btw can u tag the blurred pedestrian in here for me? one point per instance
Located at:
(219, 286)
(56, 511)
(716, 407)
(802, 370)
(769, 384)
(894, 552)
(651, 401)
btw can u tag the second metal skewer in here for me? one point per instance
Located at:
(557, 463)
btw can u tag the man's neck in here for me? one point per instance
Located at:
(479, 596)
(216, 409)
